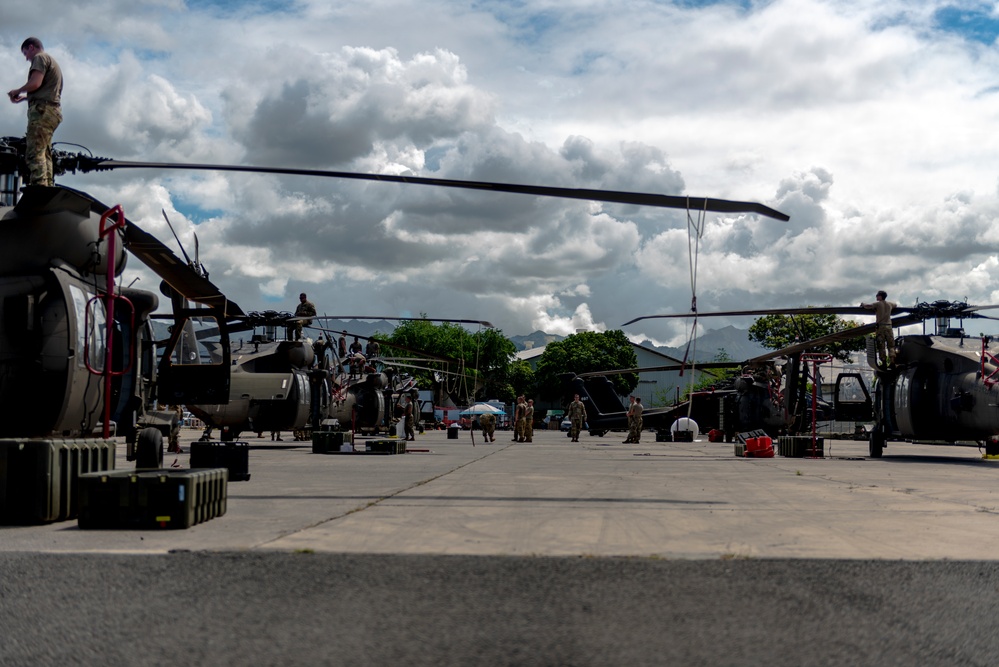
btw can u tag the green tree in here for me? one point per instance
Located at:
(481, 359)
(506, 386)
(584, 353)
(780, 331)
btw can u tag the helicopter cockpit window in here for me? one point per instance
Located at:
(198, 344)
(195, 366)
(91, 329)
(850, 390)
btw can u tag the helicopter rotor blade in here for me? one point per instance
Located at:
(161, 260)
(922, 311)
(422, 353)
(86, 164)
(820, 310)
(845, 334)
(423, 368)
(975, 309)
(394, 318)
(708, 366)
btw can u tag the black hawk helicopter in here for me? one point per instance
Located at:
(281, 384)
(941, 388)
(77, 351)
(606, 412)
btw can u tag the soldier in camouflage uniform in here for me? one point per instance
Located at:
(43, 91)
(488, 423)
(631, 420)
(518, 419)
(305, 309)
(175, 424)
(636, 416)
(577, 417)
(319, 349)
(529, 422)
(883, 336)
(410, 419)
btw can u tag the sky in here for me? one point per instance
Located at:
(871, 124)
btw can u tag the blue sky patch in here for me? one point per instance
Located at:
(697, 4)
(195, 213)
(242, 7)
(976, 25)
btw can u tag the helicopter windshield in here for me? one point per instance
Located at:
(194, 367)
(92, 335)
(197, 343)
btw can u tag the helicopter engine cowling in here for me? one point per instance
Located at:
(939, 394)
(260, 402)
(299, 353)
(53, 328)
(268, 390)
(51, 225)
(944, 406)
(363, 406)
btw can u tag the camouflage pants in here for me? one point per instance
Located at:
(885, 340)
(635, 429)
(43, 119)
(575, 426)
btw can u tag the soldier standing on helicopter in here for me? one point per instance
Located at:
(341, 351)
(319, 348)
(884, 337)
(43, 91)
(305, 309)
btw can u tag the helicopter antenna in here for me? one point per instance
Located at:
(182, 251)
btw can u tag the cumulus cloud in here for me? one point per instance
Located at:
(868, 123)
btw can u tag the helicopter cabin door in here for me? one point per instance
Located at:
(852, 400)
(195, 365)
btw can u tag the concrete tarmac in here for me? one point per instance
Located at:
(548, 552)
(595, 498)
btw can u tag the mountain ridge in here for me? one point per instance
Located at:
(730, 340)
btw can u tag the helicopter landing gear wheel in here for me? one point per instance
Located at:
(877, 443)
(149, 449)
